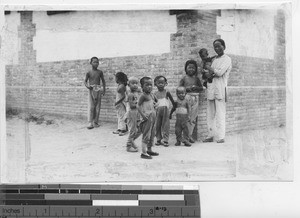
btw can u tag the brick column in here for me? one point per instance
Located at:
(280, 53)
(26, 31)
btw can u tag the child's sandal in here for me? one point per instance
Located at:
(166, 144)
(144, 156)
(116, 132)
(158, 143)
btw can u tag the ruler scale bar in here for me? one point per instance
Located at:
(125, 211)
(84, 200)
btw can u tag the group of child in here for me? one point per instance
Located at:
(143, 112)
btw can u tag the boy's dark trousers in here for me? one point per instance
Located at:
(148, 130)
(181, 128)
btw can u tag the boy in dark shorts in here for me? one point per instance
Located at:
(182, 117)
(92, 81)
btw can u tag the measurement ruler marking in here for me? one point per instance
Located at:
(56, 200)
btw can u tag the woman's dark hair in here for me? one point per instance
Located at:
(221, 41)
(122, 78)
(158, 77)
(191, 62)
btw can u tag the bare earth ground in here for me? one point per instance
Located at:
(58, 150)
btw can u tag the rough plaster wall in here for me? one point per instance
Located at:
(106, 34)
(248, 33)
(11, 42)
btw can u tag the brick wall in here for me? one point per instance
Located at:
(256, 86)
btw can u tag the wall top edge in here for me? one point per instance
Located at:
(158, 6)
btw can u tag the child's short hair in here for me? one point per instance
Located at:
(132, 78)
(142, 81)
(122, 78)
(180, 88)
(93, 59)
(158, 77)
(191, 62)
(201, 51)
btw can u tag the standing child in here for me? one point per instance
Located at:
(133, 116)
(205, 63)
(162, 115)
(121, 80)
(146, 107)
(182, 117)
(92, 81)
(193, 86)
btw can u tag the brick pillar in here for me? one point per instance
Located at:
(280, 61)
(280, 50)
(195, 29)
(26, 32)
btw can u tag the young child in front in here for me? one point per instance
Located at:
(133, 116)
(182, 117)
(162, 112)
(205, 62)
(193, 86)
(92, 81)
(121, 80)
(146, 107)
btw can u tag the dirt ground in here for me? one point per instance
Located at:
(52, 150)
